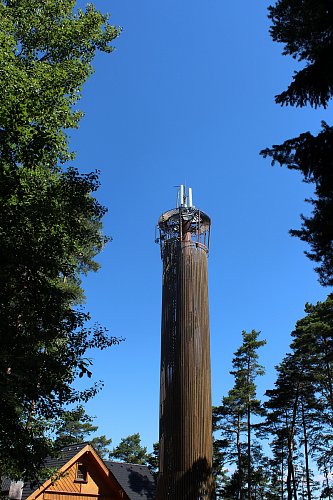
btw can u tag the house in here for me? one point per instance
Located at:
(83, 475)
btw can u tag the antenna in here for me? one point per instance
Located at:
(182, 195)
(183, 199)
(190, 202)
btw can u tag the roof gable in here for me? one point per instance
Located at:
(68, 457)
(136, 482)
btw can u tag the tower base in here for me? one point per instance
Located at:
(193, 484)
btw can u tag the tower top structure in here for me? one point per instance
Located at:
(185, 223)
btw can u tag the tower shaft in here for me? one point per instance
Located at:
(185, 390)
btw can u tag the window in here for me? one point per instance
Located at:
(81, 473)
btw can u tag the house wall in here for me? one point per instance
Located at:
(96, 486)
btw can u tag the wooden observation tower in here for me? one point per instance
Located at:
(185, 445)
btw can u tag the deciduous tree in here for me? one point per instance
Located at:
(50, 222)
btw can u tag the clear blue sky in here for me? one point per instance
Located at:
(188, 97)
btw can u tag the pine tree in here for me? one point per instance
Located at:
(292, 420)
(234, 416)
(130, 450)
(313, 345)
(283, 406)
(76, 426)
(101, 444)
(153, 459)
(305, 29)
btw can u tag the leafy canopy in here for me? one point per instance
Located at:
(46, 52)
(50, 223)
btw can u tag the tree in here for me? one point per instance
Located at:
(234, 417)
(130, 450)
(305, 29)
(220, 453)
(313, 345)
(76, 427)
(50, 223)
(46, 55)
(300, 406)
(292, 421)
(281, 419)
(230, 448)
(101, 445)
(153, 459)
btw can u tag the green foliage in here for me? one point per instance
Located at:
(233, 421)
(299, 408)
(153, 459)
(46, 53)
(101, 444)
(297, 418)
(313, 346)
(245, 371)
(261, 485)
(313, 157)
(76, 426)
(130, 450)
(51, 239)
(219, 461)
(50, 223)
(305, 29)
(282, 420)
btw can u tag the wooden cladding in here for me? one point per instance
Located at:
(185, 391)
(63, 495)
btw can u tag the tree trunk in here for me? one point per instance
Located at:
(249, 481)
(327, 482)
(239, 460)
(294, 482)
(291, 483)
(282, 471)
(290, 471)
(306, 455)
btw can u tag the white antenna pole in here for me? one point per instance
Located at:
(190, 203)
(181, 195)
